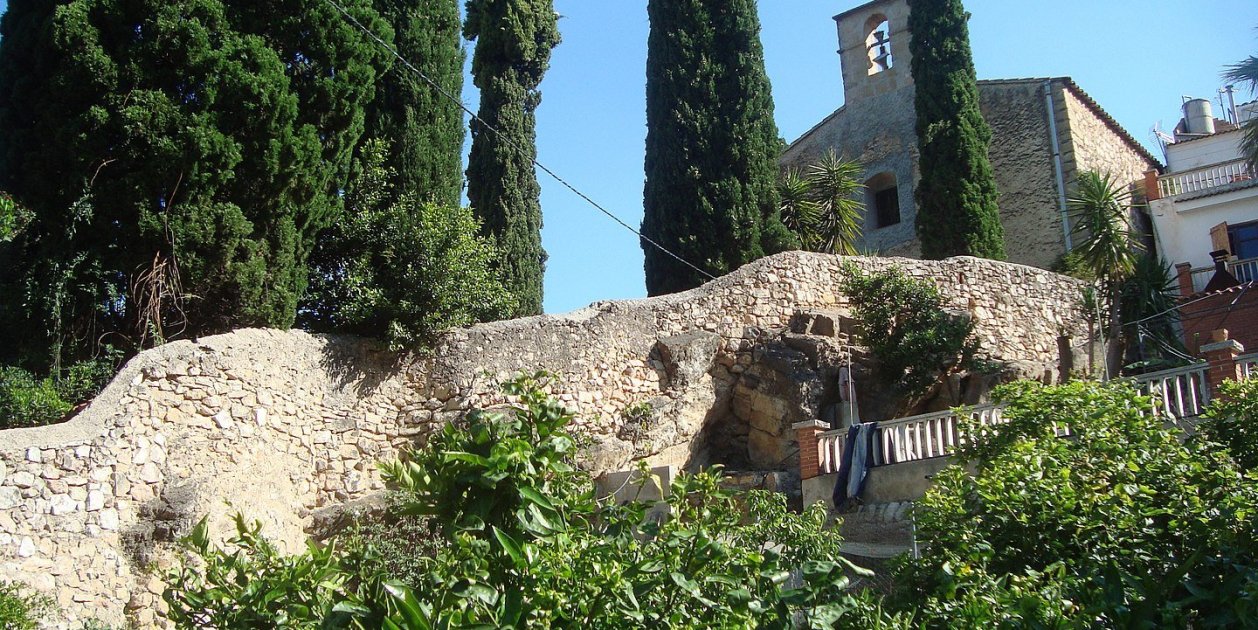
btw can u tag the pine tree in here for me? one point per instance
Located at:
(424, 129)
(957, 210)
(712, 145)
(177, 158)
(514, 39)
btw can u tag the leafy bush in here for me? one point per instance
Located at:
(1121, 525)
(401, 270)
(21, 610)
(524, 543)
(13, 217)
(902, 321)
(29, 401)
(1233, 421)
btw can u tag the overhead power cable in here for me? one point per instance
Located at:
(542, 167)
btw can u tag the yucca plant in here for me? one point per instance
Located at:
(821, 204)
(1101, 209)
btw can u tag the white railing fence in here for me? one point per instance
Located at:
(1249, 365)
(1206, 178)
(1244, 270)
(908, 439)
(1179, 395)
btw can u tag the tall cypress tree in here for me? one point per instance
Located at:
(177, 157)
(711, 146)
(957, 210)
(514, 39)
(424, 129)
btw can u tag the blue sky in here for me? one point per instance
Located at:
(1135, 57)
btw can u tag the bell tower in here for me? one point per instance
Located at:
(874, 49)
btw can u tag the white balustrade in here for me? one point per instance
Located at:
(1178, 393)
(1244, 270)
(1204, 179)
(1249, 365)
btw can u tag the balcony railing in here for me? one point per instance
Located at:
(1206, 178)
(1249, 365)
(1179, 396)
(1244, 270)
(1178, 393)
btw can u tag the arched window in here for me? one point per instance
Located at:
(878, 43)
(883, 199)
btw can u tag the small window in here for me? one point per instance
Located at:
(883, 199)
(1244, 240)
(878, 44)
(887, 204)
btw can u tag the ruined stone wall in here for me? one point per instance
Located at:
(278, 424)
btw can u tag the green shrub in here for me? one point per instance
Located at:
(524, 543)
(902, 321)
(1233, 421)
(29, 401)
(21, 610)
(1121, 525)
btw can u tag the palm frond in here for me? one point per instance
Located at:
(1101, 209)
(835, 184)
(1246, 73)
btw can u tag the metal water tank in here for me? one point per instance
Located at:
(1199, 116)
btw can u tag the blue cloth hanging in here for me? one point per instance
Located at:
(854, 464)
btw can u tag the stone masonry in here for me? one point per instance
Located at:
(279, 424)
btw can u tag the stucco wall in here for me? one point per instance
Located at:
(1221, 147)
(1182, 226)
(276, 424)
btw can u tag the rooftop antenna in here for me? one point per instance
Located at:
(1162, 138)
(1230, 108)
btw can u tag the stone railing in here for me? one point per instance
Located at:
(924, 436)
(1205, 179)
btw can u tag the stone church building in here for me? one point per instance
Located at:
(1045, 131)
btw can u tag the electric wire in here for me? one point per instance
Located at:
(542, 167)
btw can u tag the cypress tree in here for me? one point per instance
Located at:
(177, 158)
(424, 129)
(514, 39)
(712, 145)
(957, 210)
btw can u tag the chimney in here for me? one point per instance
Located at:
(1222, 278)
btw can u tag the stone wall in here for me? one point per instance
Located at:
(279, 424)
(1093, 142)
(1021, 154)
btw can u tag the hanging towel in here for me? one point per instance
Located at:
(854, 466)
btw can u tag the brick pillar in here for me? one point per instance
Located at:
(807, 434)
(1183, 274)
(1152, 191)
(1221, 355)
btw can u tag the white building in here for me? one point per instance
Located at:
(1207, 200)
